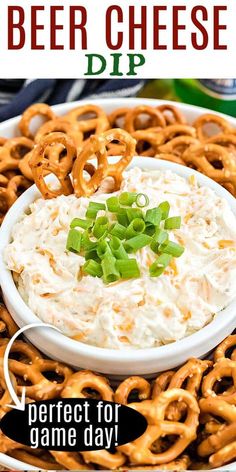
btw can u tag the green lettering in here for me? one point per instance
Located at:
(100, 67)
(116, 65)
(133, 64)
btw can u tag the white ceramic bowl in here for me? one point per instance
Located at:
(115, 363)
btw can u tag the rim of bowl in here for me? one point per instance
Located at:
(121, 356)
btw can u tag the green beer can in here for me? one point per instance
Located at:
(215, 94)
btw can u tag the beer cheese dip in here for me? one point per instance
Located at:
(137, 313)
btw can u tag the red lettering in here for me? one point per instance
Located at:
(218, 27)
(119, 42)
(35, 27)
(12, 25)
(198, 24)
(81, 26)
(55, 27)
(133, 26)
(157, 27)
(177, 27)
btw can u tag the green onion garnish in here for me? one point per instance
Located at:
(133, 213)
(133, 244)
(85, 224)
(113, 204)
(172, 248)
(159, 238)
(86, 243)
(92, 254)
(165, 209)
(153, 216)
(100, 226)
(158, 267)
(110, 272)
(118, 249)
(73, 243)
(122, 217)
(150, 229)
(136, 227)
(93, 268)
(127, 198)
(128, 268)
(118, 230)
(93, 209)
(142, 200)
(173, 223)
(103, 249)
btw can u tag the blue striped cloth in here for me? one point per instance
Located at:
(17, 95)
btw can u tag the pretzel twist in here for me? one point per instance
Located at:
(97, 146)
(79, 383)
(221, 350)
(223, 368)
(171, 114)
(207, 118)
(126, 388)
(155, 118)
(38, 109)
(82, 116)
(40, 162)
(140, 450)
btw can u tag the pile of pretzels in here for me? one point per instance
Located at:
(64, 145)
(191, 412)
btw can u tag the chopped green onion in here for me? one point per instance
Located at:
(86, 242)
(100, 226)
(172, 248)
(133, 244)
(92, 254)
(153, 216)
(73, 243)
(85, 224)
(128, 268)
(158, 267)
(93, 268)
(127, 198)
(136, 227)
(122, 217)
(142, 200)
(110, 272)
(173, 223)
(118, 230)
(113, 204)
(118, 249)
(103, 249)
(150, 229)
(93, 209)
(133, 213)
(159, 238)
(165, 209)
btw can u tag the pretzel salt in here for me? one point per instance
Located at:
(38, 109)
(140, 450)
(41, 162)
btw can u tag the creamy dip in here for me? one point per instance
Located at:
(137, 313)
